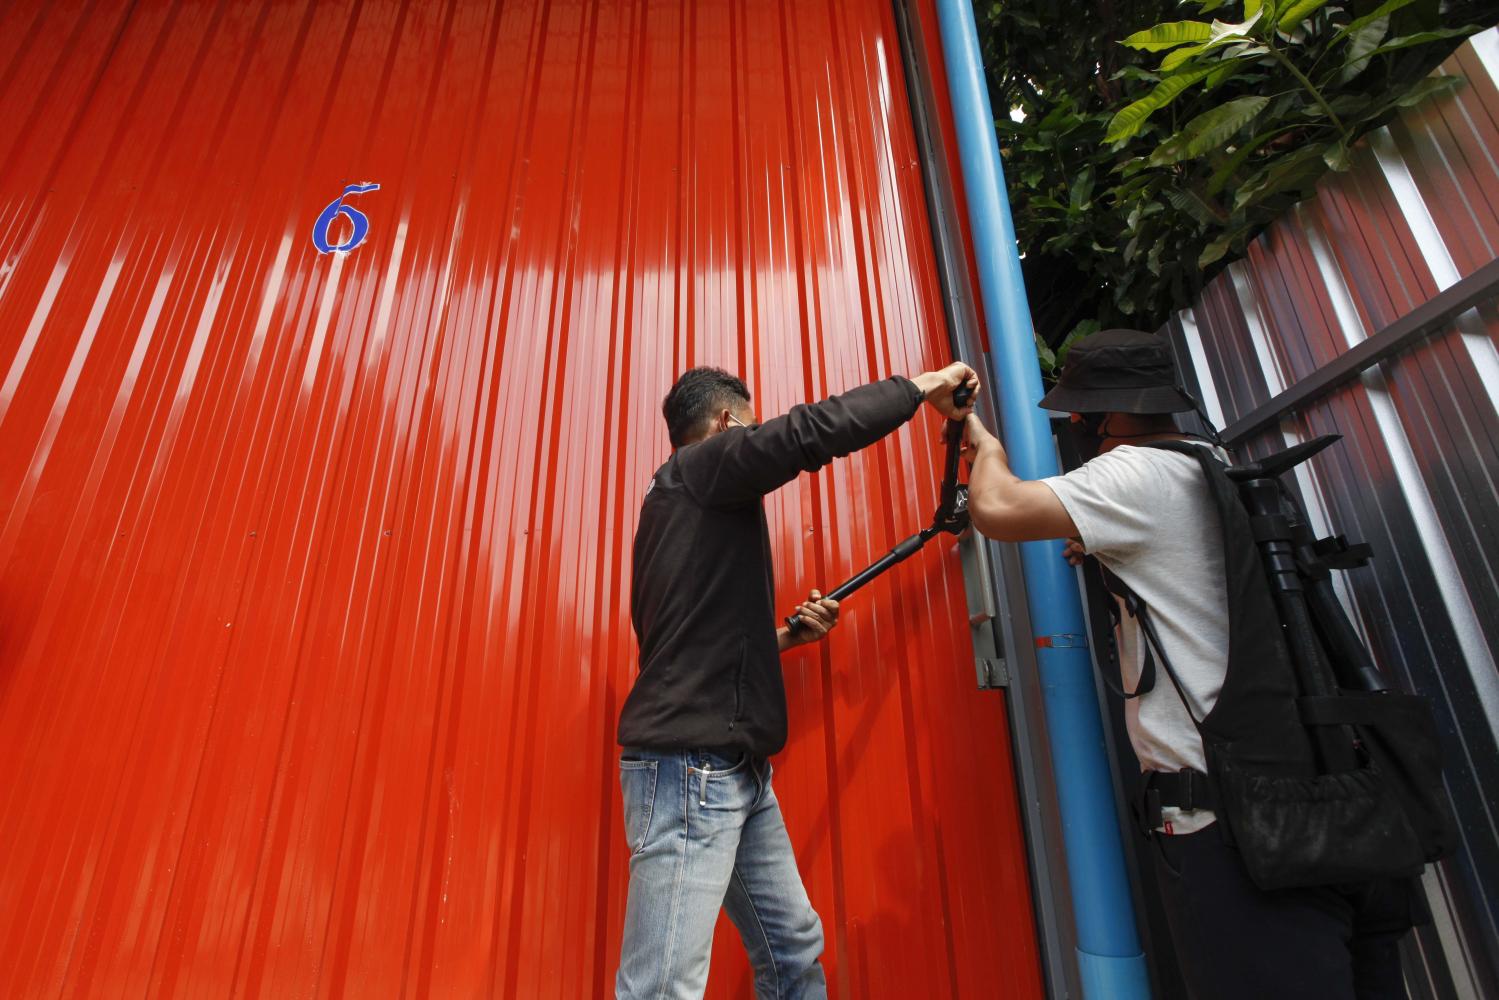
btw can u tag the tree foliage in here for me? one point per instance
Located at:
(1146, 141)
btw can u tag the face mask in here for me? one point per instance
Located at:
(1087, 433)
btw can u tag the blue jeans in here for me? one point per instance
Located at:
(705, 832)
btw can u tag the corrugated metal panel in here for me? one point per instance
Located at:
(313, 569)
(1417, 473)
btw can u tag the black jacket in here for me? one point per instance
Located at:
(702, 598)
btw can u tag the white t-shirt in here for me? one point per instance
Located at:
(1146, 515)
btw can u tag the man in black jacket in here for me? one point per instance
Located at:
(709, 707)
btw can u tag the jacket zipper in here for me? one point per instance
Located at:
(739, 684)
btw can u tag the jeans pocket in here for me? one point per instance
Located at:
(721, 765)
(637, 784)
(1167, 854)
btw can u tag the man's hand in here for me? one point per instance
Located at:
(1074, 552)
(819, 615)
(938, 388)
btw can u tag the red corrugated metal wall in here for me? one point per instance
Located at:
(314, 569)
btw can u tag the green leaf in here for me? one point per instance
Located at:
(1361, 45)
(1129, 121)
(1060, 118)
(1299, 11)
(1336, 157)
(1214, 251)
(1153, 260)
(1143, 210)
(1222, 34)
(1251, 8)
(1433, 86)
(1425, 37)
(1191, 203)
(1208, 131)
(1082, 190)
(1181, 55)
(1243, 49)
(1352, 107)
(1127, 191)
(1290, 171)
(1133, 72)
(1358, 24)
(1168, 35)
(1222, 73)
(1230, 166)
(1045, 355)
(1084, 328)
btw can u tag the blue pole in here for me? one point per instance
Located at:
(1110, 961)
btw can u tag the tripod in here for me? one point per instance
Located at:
(1324, 647)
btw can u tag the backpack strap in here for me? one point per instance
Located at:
(1134, 606)
(1140, 611)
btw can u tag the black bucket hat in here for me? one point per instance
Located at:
(1118, 371)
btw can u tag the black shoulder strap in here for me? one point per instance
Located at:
(1147, 628)
(1133, 605)
(1137, 608)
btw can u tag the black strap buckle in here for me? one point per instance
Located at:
(1187, 790)
(1147, 805)
(1190, 797)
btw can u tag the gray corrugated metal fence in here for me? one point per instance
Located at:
(1417, 472)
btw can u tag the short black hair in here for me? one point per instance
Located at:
(697, 394)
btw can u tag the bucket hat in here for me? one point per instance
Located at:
(1118, 371)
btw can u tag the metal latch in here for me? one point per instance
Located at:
(991, 670)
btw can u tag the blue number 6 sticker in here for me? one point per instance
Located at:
(357, 219)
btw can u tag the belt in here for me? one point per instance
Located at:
(1187, 790)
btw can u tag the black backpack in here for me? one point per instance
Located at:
(1317, 771)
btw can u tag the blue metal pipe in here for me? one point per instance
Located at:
(1109, 957)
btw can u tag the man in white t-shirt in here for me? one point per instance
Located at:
(1145, 514)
